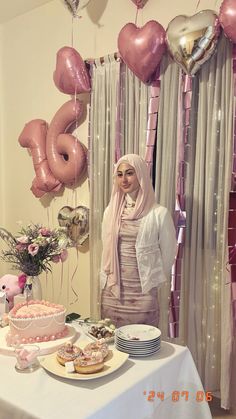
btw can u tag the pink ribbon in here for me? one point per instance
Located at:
(231, 264)
(180, 212)
(152, 120)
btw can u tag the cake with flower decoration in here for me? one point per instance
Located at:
(36, 321)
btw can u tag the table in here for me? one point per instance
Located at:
(162, 378)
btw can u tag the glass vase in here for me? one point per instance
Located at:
(33, 289)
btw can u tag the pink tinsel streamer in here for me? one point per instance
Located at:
(232, 247)
(180, 212)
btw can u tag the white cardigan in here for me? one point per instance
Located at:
(155, 248)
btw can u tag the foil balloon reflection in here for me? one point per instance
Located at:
(227, 18)
(71, 75)
(192, 40)
(142, 48)
(76, 223)
(75, 5)
(140, 3)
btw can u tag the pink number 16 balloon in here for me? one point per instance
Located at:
(58, 157)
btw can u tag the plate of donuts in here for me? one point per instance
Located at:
(83, 361)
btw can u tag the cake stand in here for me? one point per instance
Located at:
(45, 347)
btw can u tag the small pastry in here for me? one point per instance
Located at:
(100, 332)
(89, 363)
(68, 353)
(99, 346)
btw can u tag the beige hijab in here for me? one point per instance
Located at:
(144, 202)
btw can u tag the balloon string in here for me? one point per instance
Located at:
(72, 278)
(76, 127)
(136, 16)
(48, 217)
(198, 3)
(61, 282)
(72, 32)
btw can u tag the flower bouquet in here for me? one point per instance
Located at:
(33, 249)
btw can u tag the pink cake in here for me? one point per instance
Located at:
(39, 321)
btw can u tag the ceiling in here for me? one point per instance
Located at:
(12, 8)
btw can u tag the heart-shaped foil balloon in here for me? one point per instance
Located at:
(76, 223)
(192, 40)
(142, 48)
(71, 75)
(75, 5)
(140, 3)
(227, 18)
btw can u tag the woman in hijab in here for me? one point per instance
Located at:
(139, 246)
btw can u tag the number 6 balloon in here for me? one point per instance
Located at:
(66, 155)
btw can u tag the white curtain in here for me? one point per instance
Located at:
(165, 165)
(205, 315)
(103, 121)
(134, 101)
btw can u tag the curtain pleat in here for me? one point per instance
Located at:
(103, 123)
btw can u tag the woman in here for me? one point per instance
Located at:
(139, 245)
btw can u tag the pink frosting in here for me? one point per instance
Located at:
(39, 321)
(35, 308)
(13, 340)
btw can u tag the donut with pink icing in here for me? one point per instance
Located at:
(89, 363)
(68, 353)
(99, 346)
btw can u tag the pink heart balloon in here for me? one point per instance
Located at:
(71, 75)
(227, 18)
(192, 40)
(140, 3)
(142, 48)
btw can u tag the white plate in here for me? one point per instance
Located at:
(121, 347)
(45, 347)
(137, 345)
(114, 360)
(140, 354)
(142, 332)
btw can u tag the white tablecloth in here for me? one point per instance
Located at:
(120, 395)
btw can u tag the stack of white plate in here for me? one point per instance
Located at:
(138, 339)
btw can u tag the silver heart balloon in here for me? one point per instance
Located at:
(75, 5)
(76, 223)
(192, 40)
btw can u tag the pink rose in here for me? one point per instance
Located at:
(23, 239)
(33, 249)
(61, 257)
(44, 231)
(64, 255)
(21, 247)
(56, 258)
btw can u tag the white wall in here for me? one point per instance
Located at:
(28, 46)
